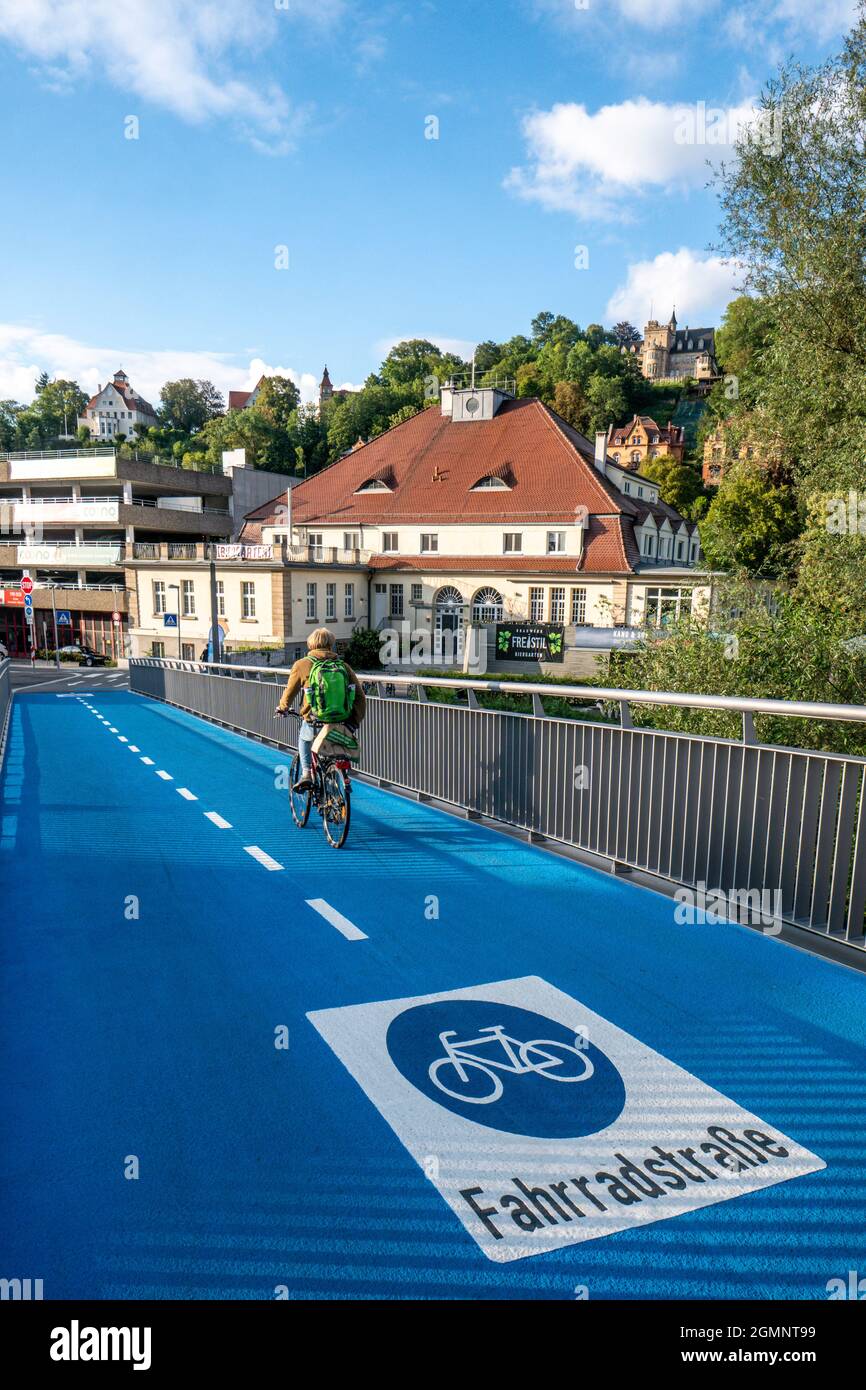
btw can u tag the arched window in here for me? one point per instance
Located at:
(487, 606)
(449, 597)
(490, 481)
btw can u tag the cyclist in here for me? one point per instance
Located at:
(332, 695)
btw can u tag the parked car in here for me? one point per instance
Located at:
(4, 651)
(86, 655)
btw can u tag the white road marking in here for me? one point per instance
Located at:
(263, 858)
(218, 820)
(111, 728)
(336, 919)
(38, 685)
(121, 739)
(187, 795)
(148, 762)
(166, 776)
(133, 749)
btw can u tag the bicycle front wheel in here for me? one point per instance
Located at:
(299, 801)
(336, 807)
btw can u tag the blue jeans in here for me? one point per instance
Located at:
(305, 743)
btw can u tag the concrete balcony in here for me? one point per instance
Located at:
(90, 598)
(76, 556)
(71, 511)
(150, 517)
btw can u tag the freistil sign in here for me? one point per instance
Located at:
(529, 641)
(543, 1124)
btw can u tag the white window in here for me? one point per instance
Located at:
(536, 605)
(487, 606)
(640, 492)
(221, 598)
(429, 542)
(512, 542)
(351, 540)
(381, 589)
(578, 606)
(314, 540)
(390, 542)
(312, 602)
(248, 599)
(417, 593)
(157, 649)
(555, 542)
(396, 604)
(649, 544)
(187, 651)
(159, 596)
(626, 487)
(349, 601)
(665, 606)
(330, 602)
(557, 605)
(679, 550)
(188, 598)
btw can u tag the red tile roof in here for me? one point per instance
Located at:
(432, 466)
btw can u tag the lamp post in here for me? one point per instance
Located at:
(179, 643)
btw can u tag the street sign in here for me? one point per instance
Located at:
(115, 617)
(27, 584)
(64, 617)
(169, 620)
(12, 598)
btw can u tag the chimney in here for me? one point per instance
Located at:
(601, 450)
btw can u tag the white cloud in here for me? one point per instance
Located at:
(652, 14)
(700, 286)
(26, 351)
(176, 54)
(793, 19)
(594, 165)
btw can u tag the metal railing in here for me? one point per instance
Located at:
(730, 815)
(5, 702)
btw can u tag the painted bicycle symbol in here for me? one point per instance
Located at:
(458, 1073)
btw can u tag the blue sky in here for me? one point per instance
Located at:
(301, 124)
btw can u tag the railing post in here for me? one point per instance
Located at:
(625, 715)
(537, 706)
(749, 735)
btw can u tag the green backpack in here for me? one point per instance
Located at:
(329, 692)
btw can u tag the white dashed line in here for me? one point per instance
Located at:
(133, 748)
(217, 820)
(166, 776)
(121, 739)
(187, 795)
(148, 762)
(263, 858)
(112, 729)
(336, 919)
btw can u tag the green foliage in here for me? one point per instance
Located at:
(752, 523)
(362, 650)
(187, 405)
(679, 483)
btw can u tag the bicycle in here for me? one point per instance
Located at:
(545, 1057)
(330, 793)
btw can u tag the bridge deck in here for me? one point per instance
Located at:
(152, 1035)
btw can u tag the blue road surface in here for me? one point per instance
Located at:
(148, 960)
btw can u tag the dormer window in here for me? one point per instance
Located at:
(373, 485)
(492, 482)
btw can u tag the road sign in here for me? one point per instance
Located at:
(115, 617)
(169, 620)
(28, 603)
(12, 598)
(27, 585)
(64, 617)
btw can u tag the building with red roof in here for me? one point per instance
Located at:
(117, 409)
(482, 509)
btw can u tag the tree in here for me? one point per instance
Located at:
(794, 216)
(679, 482)
(279, 399)
(187, 405)
(751, 524)
(569, 401)
(624, 333)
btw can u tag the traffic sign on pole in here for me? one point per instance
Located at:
(115, 617)
(169, 620)
(64, 617)
(27, 584)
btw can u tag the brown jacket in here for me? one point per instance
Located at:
(299, 677)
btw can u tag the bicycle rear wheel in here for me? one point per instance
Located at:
(299, 801)
(336, 806)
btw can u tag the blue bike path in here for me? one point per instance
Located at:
(157, 938)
